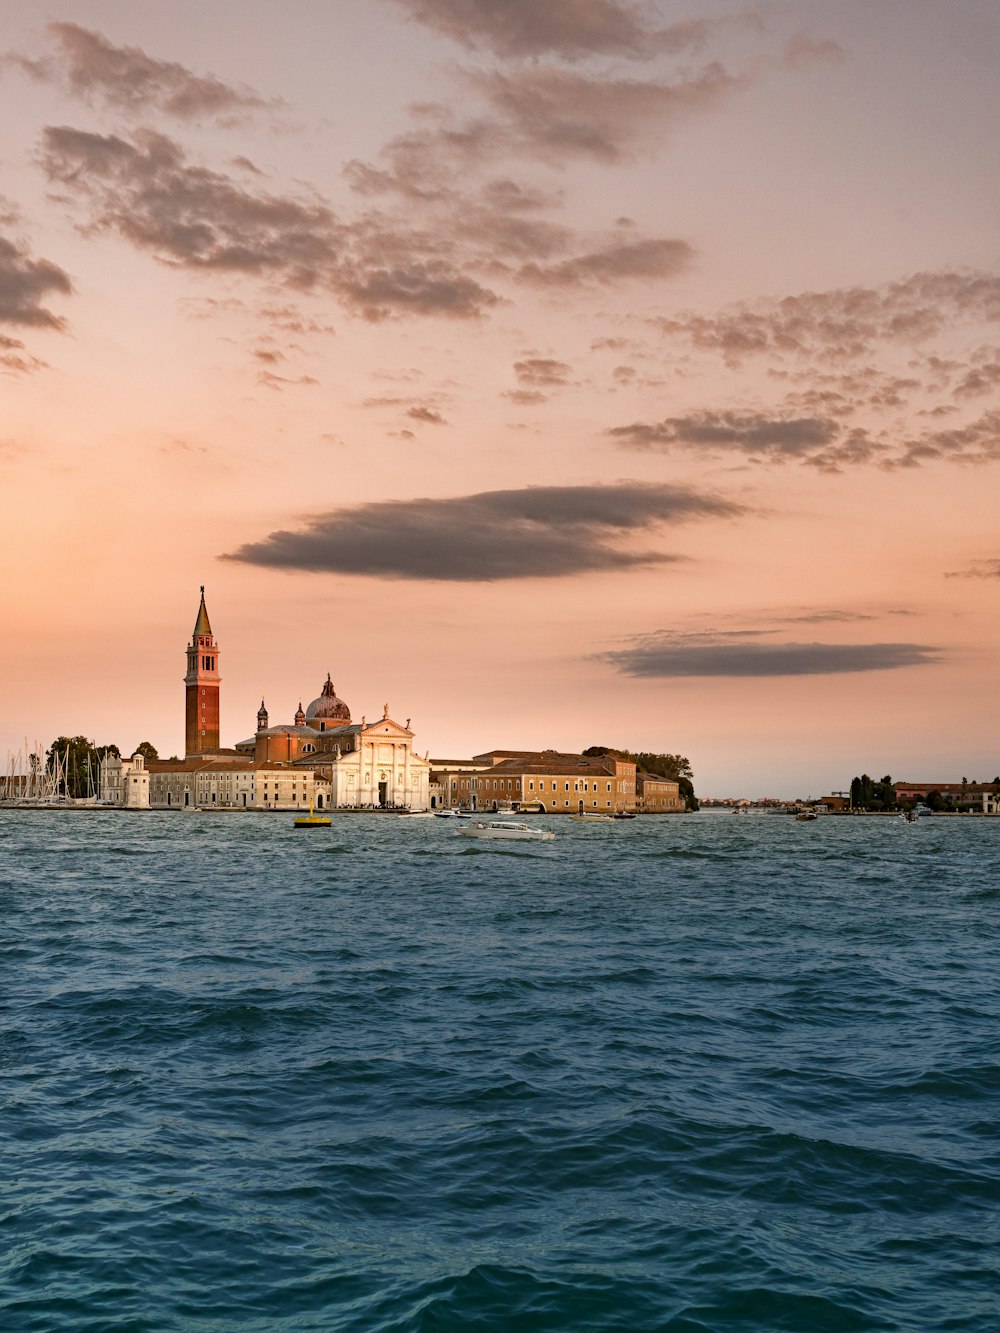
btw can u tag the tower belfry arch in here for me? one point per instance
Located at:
(201, 687)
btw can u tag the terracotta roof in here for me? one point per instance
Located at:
(970, 788)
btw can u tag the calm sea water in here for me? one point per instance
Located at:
(689, 1074)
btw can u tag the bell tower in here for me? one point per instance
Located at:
(201, 688)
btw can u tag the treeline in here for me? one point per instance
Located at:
(80, 760)
(867, 794)
(673, 767)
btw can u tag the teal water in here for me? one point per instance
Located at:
(695, 1074)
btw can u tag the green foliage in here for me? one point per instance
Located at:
(673, 767)
(866, 794)
(147, 749)
(938, 803)
(81, 761)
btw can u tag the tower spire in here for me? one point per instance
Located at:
(203, 625)
(201, 702)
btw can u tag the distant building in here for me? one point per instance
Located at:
(320, 758)
(962, 795)
(125, 782)
(657, 795)
(544, 780)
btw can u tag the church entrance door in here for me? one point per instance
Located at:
(383, 788)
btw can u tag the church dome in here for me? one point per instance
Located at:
(328, 708)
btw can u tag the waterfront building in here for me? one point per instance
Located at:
(962, 795)
(656, 795)
(124, 782)
(547, 781)
(322, 757)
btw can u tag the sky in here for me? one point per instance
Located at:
(592, 372)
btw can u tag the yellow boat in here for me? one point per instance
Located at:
(313, 821)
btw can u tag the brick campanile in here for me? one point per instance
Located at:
(201, 688)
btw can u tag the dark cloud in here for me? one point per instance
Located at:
(127, 79)
(743, 655)
(526, 397)
(25, 283)
(541, 532)
(649, 259)
(190, 216)
(540, 372)
(819, 442)
(747, 431)
(570, 29)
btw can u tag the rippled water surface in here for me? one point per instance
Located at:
(693, 1074)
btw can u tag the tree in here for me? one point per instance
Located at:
(147, 749)
(673, 767)
(81, 762)
(867, 794)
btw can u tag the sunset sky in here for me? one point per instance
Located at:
(561, 373)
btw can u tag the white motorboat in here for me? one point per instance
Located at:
(451, 814)
(593, 818)
(504, 828)
(416, 814)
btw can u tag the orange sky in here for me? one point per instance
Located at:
(587, 373)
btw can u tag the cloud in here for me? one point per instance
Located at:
(741, 655)
(557, 113)
(427, 415)
(569, 29)
(542, 372)
(649, 259)
(25, 283)
(15, 358)
(804, 50)
(746, 431)
(190, 216)
(541, 532)
(842, 323)
(125, 78)
(279, 382)
(979, 569)
(526, 397)
(975, 442)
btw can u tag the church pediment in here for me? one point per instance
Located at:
(386, 729)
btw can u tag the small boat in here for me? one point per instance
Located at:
(313, 821)
(416, 814)
(504, 828)
(593, 819)
(806, 816)
(624, 814)
(451, 814)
